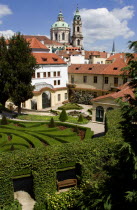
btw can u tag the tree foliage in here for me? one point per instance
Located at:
(63, 116)
(5, 72)
(23, 65)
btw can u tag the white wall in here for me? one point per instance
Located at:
(63, 69)
(77, 59)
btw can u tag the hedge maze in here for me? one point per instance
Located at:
(20, 136)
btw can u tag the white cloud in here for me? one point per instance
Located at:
(102, 24)
(7, 34)
(4, 10)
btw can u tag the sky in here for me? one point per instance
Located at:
(104, 21)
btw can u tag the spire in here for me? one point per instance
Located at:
(60, 16)
(113, 47)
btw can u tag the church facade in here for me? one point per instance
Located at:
(60, 31)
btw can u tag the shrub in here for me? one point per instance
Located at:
(4, 120)
(76, 129)
(63, 116)
(70, 106)
(51, 123)
(80, 119)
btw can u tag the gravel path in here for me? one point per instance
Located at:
(25, 200)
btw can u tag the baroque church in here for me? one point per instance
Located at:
(60, 31)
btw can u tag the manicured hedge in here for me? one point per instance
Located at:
(70, 106)
(43, 163)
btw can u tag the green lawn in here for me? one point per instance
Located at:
(47, 118)
(28, 135)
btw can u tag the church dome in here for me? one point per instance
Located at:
(60, 24)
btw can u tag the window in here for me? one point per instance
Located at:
(48, 74)
(106, 80)
(23, 105)
(95, 79)
(44, 59)
(101, 62)
(56, 37)
(63, 36)
(78, 42)
(58, 73)
(55, 82)
(85, 79)
(77, 68)
(90, 68)
(54, 59)
(66, 96)
(38, 75)
(115, 81)
(59, 97)
(33, 76)
(58, 82)
(124, 80)
(54, 73)
(78, 29)
(44, 74)
(115, 68)
(72, 79)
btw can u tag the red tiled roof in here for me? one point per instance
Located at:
(95, 53)
(35, 43)
(116, 56)
(124, 90)
(106, 69)
(45, 39)
(48, 58)
(87, 68)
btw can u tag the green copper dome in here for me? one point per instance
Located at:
(60, 24)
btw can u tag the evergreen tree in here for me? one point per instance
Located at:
(52, 123)
(4, 120)
(23, 65)
(63, 116)
(80, 119)
(5, 73)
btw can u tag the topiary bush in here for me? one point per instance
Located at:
(4, 120)
(63, 116)
(76, 129)
(80, 119)
(52, 123)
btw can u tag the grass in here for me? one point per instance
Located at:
(26, 135)
(47, 118)
(70, 106)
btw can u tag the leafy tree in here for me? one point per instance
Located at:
(5, 72)
(23, 65)
(63, 116)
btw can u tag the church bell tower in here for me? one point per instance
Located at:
(77, 37)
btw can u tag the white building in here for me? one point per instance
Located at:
(49, 79)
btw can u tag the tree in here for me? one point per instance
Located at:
(5, 72)
(80, 119)
(51, 123)
(63, 116)
(23, 65)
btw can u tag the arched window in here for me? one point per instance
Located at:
(78, 29)
(63, 36)
(78, 42)
(56, 37)
(99, 114)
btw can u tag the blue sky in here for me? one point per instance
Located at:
(103, 20)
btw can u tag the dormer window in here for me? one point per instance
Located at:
(44, 59)
(90, 68)
(77, 68)
(115, 68)
(55, 59)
